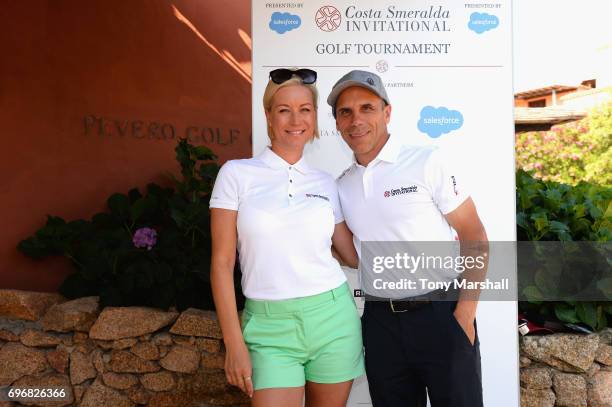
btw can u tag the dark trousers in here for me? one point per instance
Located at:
(420, 352)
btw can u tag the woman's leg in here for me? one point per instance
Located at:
(281, 397)
(327, 395)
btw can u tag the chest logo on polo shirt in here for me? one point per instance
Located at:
(317, 196)
(401, 191)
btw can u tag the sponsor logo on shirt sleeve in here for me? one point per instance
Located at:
(455, 190)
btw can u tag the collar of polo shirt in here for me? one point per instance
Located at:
(273, 160)
(389, 152)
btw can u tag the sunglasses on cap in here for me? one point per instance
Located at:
(308, 76)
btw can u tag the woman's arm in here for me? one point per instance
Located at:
(224, 236)
(342, 241)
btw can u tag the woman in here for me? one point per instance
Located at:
(301, 334)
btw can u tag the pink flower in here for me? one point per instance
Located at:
(145, 237)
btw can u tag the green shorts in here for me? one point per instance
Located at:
(315, 338)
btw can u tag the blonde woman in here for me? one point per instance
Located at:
(300, 334)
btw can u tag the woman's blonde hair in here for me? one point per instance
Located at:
(271, 90)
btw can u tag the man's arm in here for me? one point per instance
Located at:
(343, 249)
(473, 239)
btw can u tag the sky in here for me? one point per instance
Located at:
(561, 42)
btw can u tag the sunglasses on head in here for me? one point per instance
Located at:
(308, 76)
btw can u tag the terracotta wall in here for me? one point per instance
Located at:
(93, 97)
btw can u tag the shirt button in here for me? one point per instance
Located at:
(290, 195)
(290, 168)
(290, 180)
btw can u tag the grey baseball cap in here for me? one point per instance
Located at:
(364, 79)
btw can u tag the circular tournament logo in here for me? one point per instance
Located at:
(328, 18)
(382, 66)
(387, 194)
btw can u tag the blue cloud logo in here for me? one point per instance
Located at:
(283, 22)
(437, 121)
(481, 22)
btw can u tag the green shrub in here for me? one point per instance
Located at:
(152, 249)
(570, 153)
(550, 211)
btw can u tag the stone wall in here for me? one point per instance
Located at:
(117, 357)
(143, 356)
(566, 370)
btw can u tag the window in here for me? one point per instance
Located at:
(538, 103)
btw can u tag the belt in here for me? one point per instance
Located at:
(410, 303)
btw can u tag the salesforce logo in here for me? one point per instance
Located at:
(437, 121)
(481, 22)
(283, 22)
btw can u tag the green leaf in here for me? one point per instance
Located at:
(605, 285)
(154, 189)
(76, 286)
(110, 296)
(35, 248)
(209, 170)
(521, 221)
(525, 200)
(162, 273)
(602, 320)
(178, 216)
(558, 227)
(119, 205)
(139, 207)
(566, 313)
(561, 229)
(553, 199)
(532, 293)
(546, 281)
(579, 211)
(143, 281)
(595, 212)
(203, 153)
(540, 221)
(134, 195)
(127, 283)
(587, 313)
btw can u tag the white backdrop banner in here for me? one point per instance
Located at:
(447, 68)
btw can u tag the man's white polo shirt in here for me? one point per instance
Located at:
(401, 196)
(286, 218)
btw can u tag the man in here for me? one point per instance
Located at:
(414, 346)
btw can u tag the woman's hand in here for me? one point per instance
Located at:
(238, 368)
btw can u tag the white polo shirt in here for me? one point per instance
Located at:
(286, 218)
(401, 196)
